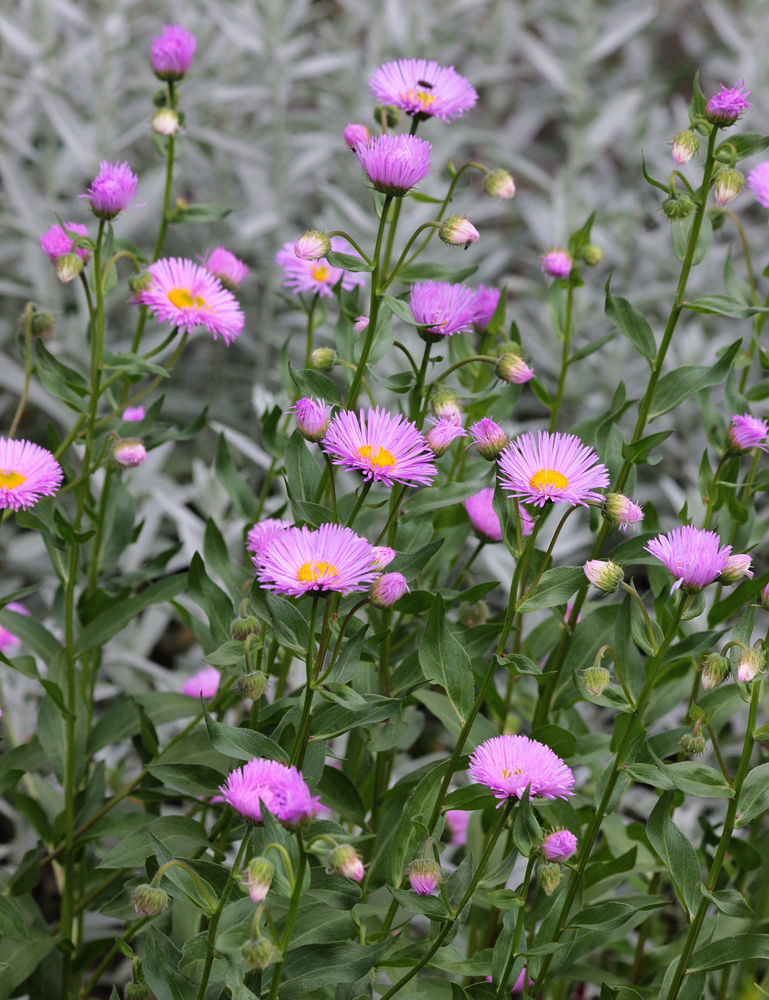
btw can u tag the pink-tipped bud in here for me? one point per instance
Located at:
(68, 267)
(387, 589)
(313, 245)
(382, 555)
(489, 438)
(345, 860)
(441, 436)
(424, 876)
(560, 845)
(715, 670)
(360, 324)
(457, 231)
(357, 135)
(512, 368)
(685, 145)
(737, 568)
(750, 663)
(129, 452)
(765, 597)
(312, 418)
(446, 407)
(620, 510)
(258, 878)
(728, 185)
(499, 184)
(604, 574)
(557, 263)
(165, 121)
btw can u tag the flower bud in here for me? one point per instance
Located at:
(382, 555)
(604, 574)
(129, 452)
(445, 407)
(387, 589)
(472, 615)
(512, 368)
(68, 267)
(693, 744)
(685, 145)
(499, 183)
(361, 324)
(677, 208)
(137, 991)
(133, 414)
(560, 845)
(441, 436)
(765, 597)
(258, 953)
(425, 876)
(357, 135)
(252, 685)
(345, 860)
(620, 510)
(457, 231)
(312, 418)
(41, 323)
(323, 359)
(387, 114)
(549, 877)
(165, 121)
(313, 245)
(557, 263)
(737, 567)
(489, 438)
(457, 822)
(750, 663)
(139, 283)
(258, 878)
(729, 183)
(149, 900)
(715, 670)
(596, 680)
(242, 628)
(592, 255)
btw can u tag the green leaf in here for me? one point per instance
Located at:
(676, 852)
(445, 662)
(632, 323)
(678, 385)
(134, 364)
(160, 966)
(698, 780)
(527, 833)
(754, 798)
(728, 901)
(399, 308)
(428, 906)
(735, 948)
(115, 619)
(302, 472)
(603, 916)
(180, 835)
(333, 720)
(61, 381)
(211, 599)
(410, 564)
(435, 497)
(291, 627)
(638, 453)
(682, 229)
(196, 779)
(418, 805)
(348, 261)
(723, 305)
(243, 498)
(32, 633)
(242, 744)
(314, 383)
(309, 968)
(744, 145)
(555, 587)
(698, 104)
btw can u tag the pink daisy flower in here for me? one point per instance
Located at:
(261, 782)
(746, 432)
(27, 474)
(552, 467)
(385, 448)
(55, 242)
(725, 107)
(484, 518)
(758, 182)
(331, 559)
(264, 531)
(442, 308)
(560, 845)
(316, 277)
(395, 163)
(225, 266)
(7, 639)
(486, 302)
(187, 295)
(694, 556)
(172, 52)
(423, 89)
(112, 189)
(457, 822)
(510, 764)
(203, 684)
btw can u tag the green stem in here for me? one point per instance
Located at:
(161, 238)
(416, 394)
(392, 518)
(174, 863)
(300, 747)
(363, 492)
(556, 408)
(487, 358)
(518, 929)
(399, 263)
(161, 347)
(310, 330)
(293, 909)
(27, 369)
(473, 556)
(332, 484)
(548, 553)
(214, 925)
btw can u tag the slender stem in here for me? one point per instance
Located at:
(548, 553)
(518, 929)
(310, 330)
(338, 643)
(711, 506)
(392, 519)
(27, 369)
(293, 909)
(416, 394)
(639, 601)
(746, 253)
(643, 933)
(363, 492)
(161, 347)
(300, 747)
(717, 751)
(214, 925)
(401, 347)
(161, 238)
(175, 863)
(420, 229)
(351, 241)
(473, 556)
(487, 358)
(332, 484)
(556, 407)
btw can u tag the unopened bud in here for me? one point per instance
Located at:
(472, 615)
(677, 208)
(259, 952)
(41, 323)
(137, 991)
(604, 574)
(149, 900)
(765, 597)
(592, 255)
(258, 878)
(323, 359)
(489, 438)
(737, 568)
(165, 121)
(620, 510)
(513, 369)
(387, 589)
(596, 680)
(357, 135)
(382, 555)
(685, 145)
(387, 114)
(693, 744)
(68, 267)
(424, 876)
(499, 184)
(312, 418)
(729, 183)
(557, 263)
(139, 283)
(442, 435)
(129, 452)
(750, 663)
(313, 245)
(345, 860)
(549, 877)
(560, 845)
(457, 231)
(715, 670)
(252, 685)
(446, 407)
(242, 628)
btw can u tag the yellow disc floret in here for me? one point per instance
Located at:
(380, 459)
(548, 477)
(314, 571)
(183, 298)
(9, 479)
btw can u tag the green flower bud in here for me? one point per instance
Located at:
(592, 255)
(471, 615)
(499, 184)
(258, 878)
(41, 323)
(715, 670)
(596, 680)
(137, 991)
(68, 267)
(693, 744)
(323, 359)
(685, 145)
(728, 185)
(549, 877)
(139, 283)
(678, 208)
(242, 628)
(604, 574)
(149, 900)
(252, 685)
(388, 114)
(258, 953)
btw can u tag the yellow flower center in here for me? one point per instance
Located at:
(548, 477)
(182, 298)
(319, 272)
(313, 571)
(509, 774)
(9, 479)
(419, 97)
(381, 458)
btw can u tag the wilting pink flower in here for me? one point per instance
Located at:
(55, 242)
(129, 452)
(225, 266)
(422, 88)
(522, 980)
(442, 434)
(382, 555)
(345, 860)
(552, 467)
(27, 474)
(312, 417)
(381, 446)
(694, 556)
(261, 782)
(360, 324)
(112, 189)
(7, 639)
(187, 295)
(317, 277)
(387, 589)
(557, 263)
(489, 438)
(758, 182)
(737, 568)
(560, 845)
(442, 308)
(263, 531)
(510, 764)
(357, 135)
(486, 301)
(203, 684)
(331, 559)
(725, 107)
(746, 432)
(172, 52)
(457, 822)
(424, 876)
(133, 414)
(621, 510)
(395, 163)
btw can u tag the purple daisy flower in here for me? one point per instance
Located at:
(442, 434)
(316, 276)
(555, 467)
(268, 782)
(172, 52)
(457, 822)
(7, 639)
(746, 432)
(508, 765)
(423, 89)
(203, 684)
(557, 263)
(758, 182)
(112, 189)
(263, 531)
(484, 518)
(55, 242)
(27, 474)
(486, 301)
(395, 163)
(560, 845)
(725, 107)
(443, 309)
(225, 266)
(187, 295)
(388, 449)
(331, 559)
(694, 556)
